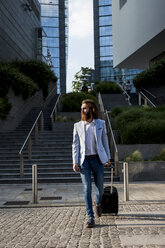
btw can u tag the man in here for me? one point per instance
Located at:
(90, 151)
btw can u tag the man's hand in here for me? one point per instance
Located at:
(107, 164)
(75, 167)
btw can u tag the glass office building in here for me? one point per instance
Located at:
(54, 21)
(103, 45)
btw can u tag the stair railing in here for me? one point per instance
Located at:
(146, 100)
(125, 93)
(29, 140)
(101, 105)
(54, 112)
(112, 142)
(113, 146)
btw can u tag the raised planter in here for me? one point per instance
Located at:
(20, 108)
(75, 115)
(144, 171)
(148, 151)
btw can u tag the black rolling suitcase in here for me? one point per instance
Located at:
(110, 200)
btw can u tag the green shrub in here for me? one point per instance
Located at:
(107, 88)
(71, 102)
(135, 157)
(25, 78)
(116, 111)
(154, 76)
(5, 107)
(20, 83)
(38, 71)
(138, 125)
(160, 157)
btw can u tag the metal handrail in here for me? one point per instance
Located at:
(29, 140)
(109, 123)
(101, 105)
(51, 92)
(148, 92)
(113, 145)
(146, 100)
(54, 111)
(125, 92)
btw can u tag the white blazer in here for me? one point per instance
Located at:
(78, 146)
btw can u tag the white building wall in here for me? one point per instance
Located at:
(138, 32)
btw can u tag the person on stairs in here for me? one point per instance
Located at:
(90, 152)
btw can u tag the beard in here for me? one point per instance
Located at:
(86, 117)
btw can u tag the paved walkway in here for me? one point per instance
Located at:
(60, 222)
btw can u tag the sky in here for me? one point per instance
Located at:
(81, 39)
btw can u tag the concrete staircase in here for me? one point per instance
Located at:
(52, 156)
(112, 100)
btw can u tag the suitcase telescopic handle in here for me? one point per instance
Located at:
(111, 188)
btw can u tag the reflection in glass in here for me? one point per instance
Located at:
(50, 22)
(105, 2)
(105, 20)
(105, 58)
(106, 41)
(53, 42)
(105, 30)
(49, 10)
(106, 10)
(56, 62)
(49, 1)
(106, 51)
(54, 52)
(52, 32)
(52, 11)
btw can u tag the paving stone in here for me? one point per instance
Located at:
(137, 225)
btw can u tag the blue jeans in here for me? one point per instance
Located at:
(95, 166)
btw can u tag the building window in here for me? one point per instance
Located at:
(50, 21)
(106, 51)
(122, 2)
(105, 30)
(105, 20)
(106, 41)
(105, 2)
(49, 11)
(105, 10)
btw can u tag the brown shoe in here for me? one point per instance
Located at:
(98, 209)
(90, 223)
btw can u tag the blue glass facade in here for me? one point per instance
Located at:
(54, 20)
(104, 45)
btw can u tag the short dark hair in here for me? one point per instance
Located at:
(92, 107)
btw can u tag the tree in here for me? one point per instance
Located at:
(84, 77)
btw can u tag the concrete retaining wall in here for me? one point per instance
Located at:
(144, 171)
(148, 150)
(21, 108)
(75, 115)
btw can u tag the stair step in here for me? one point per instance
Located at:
(48, 180)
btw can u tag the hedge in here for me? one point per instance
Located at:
(25, 78)
(107, 88)
(71, 102)
(20, 83)
(154, 76)
(139, 125)
(38, 71)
